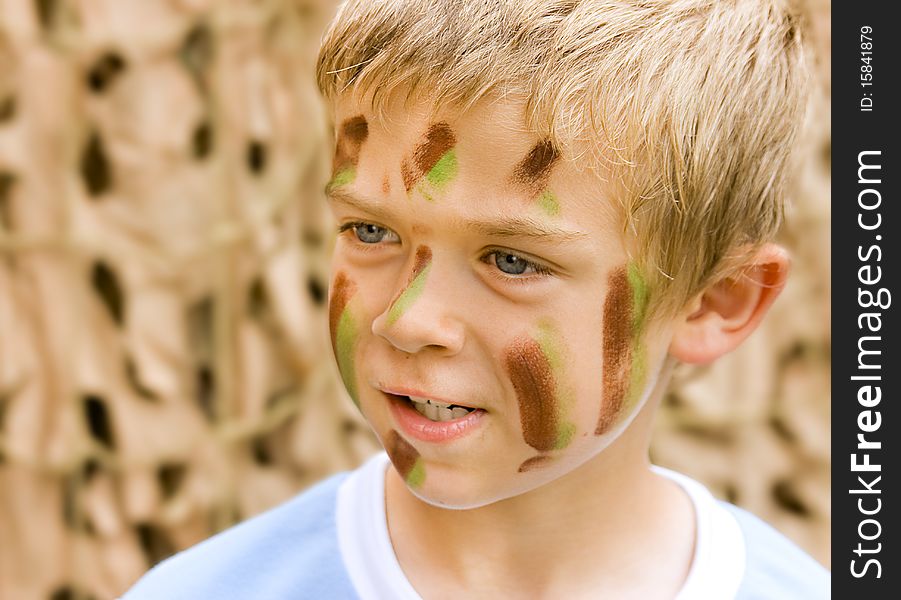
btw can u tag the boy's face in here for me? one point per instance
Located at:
(476, 268)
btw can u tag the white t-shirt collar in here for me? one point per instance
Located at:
(716, 571)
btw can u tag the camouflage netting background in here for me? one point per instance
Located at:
(164, 360)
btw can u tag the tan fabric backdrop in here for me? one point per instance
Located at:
(164, 363)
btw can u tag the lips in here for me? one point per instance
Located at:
(432, 420)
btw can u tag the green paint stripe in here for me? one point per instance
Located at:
(444, 170)
(640, 296)
(408, 296)
(637, 373)
(550, 346)
(425, 193)
(639, 366)
(565, 433)
(416, 476)
(547, 202)
(342, 177)
(345, 343)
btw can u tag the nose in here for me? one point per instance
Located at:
(421, 314)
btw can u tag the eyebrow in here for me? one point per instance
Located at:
(514, 227)
(344, 197)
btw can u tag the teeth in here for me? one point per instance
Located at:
(437, 411)
(445, 414)
(431, 411)
(458, 412)
(419, 400)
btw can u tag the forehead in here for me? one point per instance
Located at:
(500, 162)
(489, 128)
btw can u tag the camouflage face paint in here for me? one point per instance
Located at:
(415, 284)
(405, 459)
(625, 311)
(344, 331)
(351, 135)
(533, 173)
(535, 169)
(434, 159)
(536, 462)
(547, 202)
(552, 348)
(532, 365)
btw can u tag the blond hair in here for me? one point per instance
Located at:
(693, 105)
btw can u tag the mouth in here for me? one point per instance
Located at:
(433, 420)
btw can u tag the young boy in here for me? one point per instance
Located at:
(542, 206)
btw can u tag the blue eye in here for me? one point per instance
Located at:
(369, 233)
(512, 264)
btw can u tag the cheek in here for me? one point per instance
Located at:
(530, 373)
(536, 462)
(535, 366)
(344, 330)
(625, 356)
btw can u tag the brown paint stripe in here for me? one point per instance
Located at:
(402, 454)
(408, 175)
(534, 171)
(351, 135)
(533, 380)
(343, 290)
(422, 259)
(536, 462)
(438, 140)
(617, 349)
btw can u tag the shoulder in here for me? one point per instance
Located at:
(289, 551)
(776, 568)
(739, 556)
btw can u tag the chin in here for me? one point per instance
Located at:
(453, 501)
(443, 490)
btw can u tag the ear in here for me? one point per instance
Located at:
(730, 310)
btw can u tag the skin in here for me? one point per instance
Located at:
(536, 462)
(640, 299)
(414, 287)
(344, 333)
(351, 135)
(533, 381)
(433, 159)
(533, 172)
(625, 312)
(569, 406)
(406, 459)
(547, 201)
(436, 313)
(554, 349)
(534, 367)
